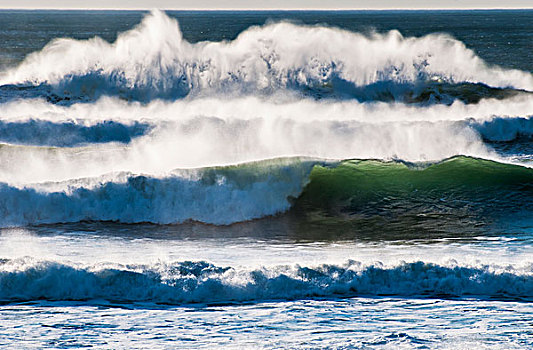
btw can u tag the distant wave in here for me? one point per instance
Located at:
(504, 129)
(68, 133)
(200, 282)
(156, 138)
(60, 132)
(226, 195)
(153, 61)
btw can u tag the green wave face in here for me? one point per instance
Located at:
(460, 194)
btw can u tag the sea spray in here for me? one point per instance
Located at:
(224, 195)
(154, 61)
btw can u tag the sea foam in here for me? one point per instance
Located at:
(154, 61)
(188, 282)
(212, 195)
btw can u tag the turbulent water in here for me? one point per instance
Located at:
(266, 179)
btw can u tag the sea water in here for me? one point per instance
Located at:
(266, 179)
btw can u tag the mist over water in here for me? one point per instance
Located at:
(273, 160)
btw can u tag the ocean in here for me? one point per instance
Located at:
(284, 179)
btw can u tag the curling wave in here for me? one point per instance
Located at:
(153, 61)
(226, 195)
(200, 282)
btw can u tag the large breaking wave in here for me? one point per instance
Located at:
(153, 61)
(226, 195)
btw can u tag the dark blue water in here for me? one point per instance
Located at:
(499, 37)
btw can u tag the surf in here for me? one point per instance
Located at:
(153, 61)
(346, 190)
(190, 282)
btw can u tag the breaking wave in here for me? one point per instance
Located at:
(504, 129)
(212, 195)
(188, 282)
(153, 61)
(226, 195)
(61, 132)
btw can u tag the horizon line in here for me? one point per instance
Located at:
(266, 9)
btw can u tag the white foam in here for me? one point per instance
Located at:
(215, 196)
(153, 60)
(102, 181)
(213, 131)
(200, 282)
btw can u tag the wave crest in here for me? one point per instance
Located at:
(154, 61)
(201, 282)
(212, 195)
(459, 187)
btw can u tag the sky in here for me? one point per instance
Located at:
(263, 4)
